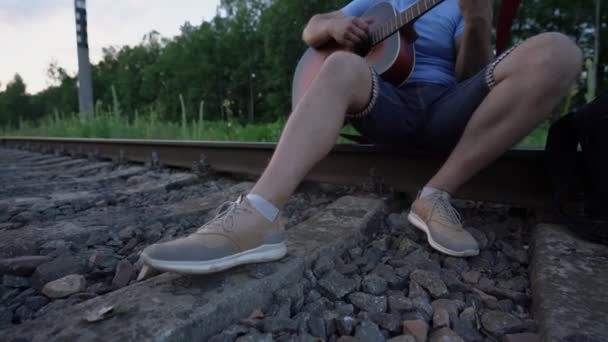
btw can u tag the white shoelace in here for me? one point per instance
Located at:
(446, 211)
(221, 214)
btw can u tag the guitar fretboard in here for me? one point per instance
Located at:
(402, 19)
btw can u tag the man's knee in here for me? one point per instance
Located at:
(346, 68)
(349, 77)
(554, 57)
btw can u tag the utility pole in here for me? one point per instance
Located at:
(85, 84)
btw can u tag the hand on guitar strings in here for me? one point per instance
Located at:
(351, 32)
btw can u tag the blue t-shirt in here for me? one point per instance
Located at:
(437, 31)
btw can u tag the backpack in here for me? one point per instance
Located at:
(581, 173)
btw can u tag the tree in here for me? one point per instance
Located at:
(14, 102)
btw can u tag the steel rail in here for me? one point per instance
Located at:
(518, 177)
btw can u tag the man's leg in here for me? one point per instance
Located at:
(530, 82)
(248, 230)
(344, 85)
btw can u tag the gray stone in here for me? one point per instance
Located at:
(451, 279)
(431, 281)
(451, 306)
(416, 290)
(517, 297)
(406, 246)
(6, 315)
(153, 232)
(399, 302)
(518, 284)
(517, 255)
(458, 265)
(488, 301)
(14, 281)
(441, 319)
(36, 302)
(368, 332)
(466, 329)
(310, 276)
(23, 313)
(506, 305)
(402, 338)
(345, 325)
(260, 271)
(302, 319)
(374, 284)
(397, 221)
(56, 247)
(404, 271)
(294, 293)
(97, 239)
(274, 325)
(424, 307)
(305, 338)
(330, 318)
(367, 302)
(316, 326)
(335, 285)
(65, 286)
(124, 274)
(445, 335)
(355, 252)
(396, 282)
(499, 323)
(22, 266)
(347, 268)
(388, 321)
(255, 337)
(103, 258)
(344, 309)
(126, 233)
(55, 269)
(323, 265)
(471, 277)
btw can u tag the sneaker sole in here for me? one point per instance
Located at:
(419, 223)
(262, 253)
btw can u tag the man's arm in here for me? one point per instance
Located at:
(347, 31)
(473, 47)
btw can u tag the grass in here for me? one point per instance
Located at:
(112, 125)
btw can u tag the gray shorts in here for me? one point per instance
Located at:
(422, 115)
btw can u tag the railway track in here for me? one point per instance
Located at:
(355, 269)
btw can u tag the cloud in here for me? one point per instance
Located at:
(34, 33)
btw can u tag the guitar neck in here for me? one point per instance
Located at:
(402, 19)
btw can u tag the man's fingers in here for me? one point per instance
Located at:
(353, 38)
(362, 24)
(362, 34)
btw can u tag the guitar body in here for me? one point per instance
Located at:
(393, 58)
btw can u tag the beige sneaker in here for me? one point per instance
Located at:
(239, 234)
(435, 216)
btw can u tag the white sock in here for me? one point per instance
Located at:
(428, 191)
(267, 209)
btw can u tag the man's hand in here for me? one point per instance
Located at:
(475, 10)
(350, 31)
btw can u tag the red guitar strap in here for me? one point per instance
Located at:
(508, 10)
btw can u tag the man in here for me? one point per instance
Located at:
(455, 100)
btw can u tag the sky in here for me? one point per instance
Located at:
(34, 33)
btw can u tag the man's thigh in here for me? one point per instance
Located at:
(449, 115)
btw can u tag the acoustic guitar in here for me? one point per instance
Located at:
(390, 50)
